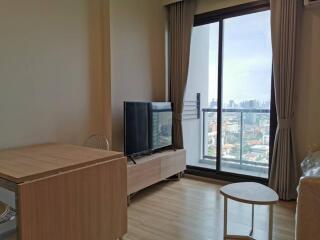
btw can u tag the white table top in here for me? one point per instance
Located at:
(250, 192)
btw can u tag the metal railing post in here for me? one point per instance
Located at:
(241, 135)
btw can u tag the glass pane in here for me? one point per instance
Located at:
(200, 134)
(8, 224)
(247, 66)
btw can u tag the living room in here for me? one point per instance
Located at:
(67, 67)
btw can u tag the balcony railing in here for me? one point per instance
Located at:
(244, 138)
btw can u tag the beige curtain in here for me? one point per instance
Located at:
(283, 176)
(181, 16)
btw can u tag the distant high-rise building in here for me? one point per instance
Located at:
(214, 103)
(232, 104)
(251, 104)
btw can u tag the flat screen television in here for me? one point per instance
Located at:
(147, 127)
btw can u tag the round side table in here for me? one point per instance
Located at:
(249, 193)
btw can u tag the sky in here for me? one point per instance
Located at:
(247, 58)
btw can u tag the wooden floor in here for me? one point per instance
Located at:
(193, 210)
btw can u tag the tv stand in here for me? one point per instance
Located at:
(154, 168)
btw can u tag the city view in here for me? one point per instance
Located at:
(245, 132)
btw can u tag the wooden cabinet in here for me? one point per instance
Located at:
(67, 192)
(155, 168)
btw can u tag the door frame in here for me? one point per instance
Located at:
(219, 16)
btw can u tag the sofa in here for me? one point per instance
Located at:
(308, 202)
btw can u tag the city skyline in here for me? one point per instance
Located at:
(246, 104)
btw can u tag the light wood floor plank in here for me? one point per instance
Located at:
(193, 210)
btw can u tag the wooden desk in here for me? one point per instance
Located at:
(66, 192)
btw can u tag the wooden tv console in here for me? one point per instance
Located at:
(154, 168)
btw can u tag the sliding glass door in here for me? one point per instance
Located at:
(246, 94)
(231, 57)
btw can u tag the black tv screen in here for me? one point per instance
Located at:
(147, 127)
(136, 127)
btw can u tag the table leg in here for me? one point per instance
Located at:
(225, 219)
(252, 221)
(270, 221)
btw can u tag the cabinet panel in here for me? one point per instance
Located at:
(88, 203)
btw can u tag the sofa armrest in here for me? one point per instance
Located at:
(308, 209)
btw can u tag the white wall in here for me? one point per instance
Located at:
(52, 83)
(307, 112)
(54, 73)
(137, 56)
(168, 2)
(198, 80)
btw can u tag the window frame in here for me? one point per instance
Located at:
(235, 11)
(219, 16)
